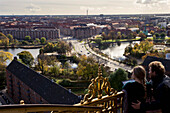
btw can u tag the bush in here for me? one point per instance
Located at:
(65, 83)
(116, 79)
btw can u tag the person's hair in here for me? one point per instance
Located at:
(157, 67)
(140, 73)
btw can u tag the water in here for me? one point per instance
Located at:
(15, 51)
(116, 52)
(34, 52)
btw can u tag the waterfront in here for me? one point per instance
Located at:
(15, 51)
(116, 52)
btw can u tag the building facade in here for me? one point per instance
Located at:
(20, 33)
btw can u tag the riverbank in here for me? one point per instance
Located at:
(23, 47)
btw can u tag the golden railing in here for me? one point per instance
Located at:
(41, 108)
(100, 98)
(101, 94)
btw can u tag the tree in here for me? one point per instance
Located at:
(36, 41)
(117, 77)
(24, 42)
(168, 41)
(157, 35)
(111, 35)
(63, 47)
(27, 38)
(152, 32)
(119, 36)
(26, 57)
(154, 37)
(43, 40)
(145, 46)
(11, 39)
(163, 35)
(104, 36)
(4, 56)
(87, 68)
(4, 40)
(42, 65)
(54, 71)
(98, 41)
(142, 35)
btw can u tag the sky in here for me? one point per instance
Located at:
(80, 7)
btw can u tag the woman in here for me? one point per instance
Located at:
(135, 90)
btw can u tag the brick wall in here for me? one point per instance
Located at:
(17, 90)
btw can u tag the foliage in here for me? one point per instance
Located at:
(104, 36)
(11, 39)
(98, 41)
(26, 57)
(87, 68)
(42, 66)
(27, 38)
(163, 35)
(65, 83)
(43, 40)
(4, 40)
(54, 71)
(111, 35)
(142, 35)
(25, 42)
(60, 47)
(157, 35)
(4, 56)
(117, 77)
(139, 49)
(36, 41)
(168, 41)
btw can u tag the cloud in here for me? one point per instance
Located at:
(32, 8)
(151, 1)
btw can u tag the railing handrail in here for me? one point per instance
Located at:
(17, 108)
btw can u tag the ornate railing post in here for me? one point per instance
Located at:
(100, 93)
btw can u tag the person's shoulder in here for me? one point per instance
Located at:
(128, 84)
(166, 82)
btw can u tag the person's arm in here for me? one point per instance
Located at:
(153, 105)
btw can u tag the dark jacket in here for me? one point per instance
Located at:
(135, 91)
(161, 94)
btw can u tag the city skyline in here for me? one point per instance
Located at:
(79, 7)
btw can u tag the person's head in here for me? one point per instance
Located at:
(156, 69)
(139, 73)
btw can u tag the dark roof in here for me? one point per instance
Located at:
(149, 59)
(48, 90)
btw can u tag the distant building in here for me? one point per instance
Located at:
(165, 62)
(36, 32)
(25, 84)
(84, 32)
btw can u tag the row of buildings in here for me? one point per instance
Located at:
(36, 32)
(80, 27)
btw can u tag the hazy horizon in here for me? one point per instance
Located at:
(79, 7)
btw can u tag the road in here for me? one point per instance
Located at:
(84, 49)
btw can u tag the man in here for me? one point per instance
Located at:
(160, 84)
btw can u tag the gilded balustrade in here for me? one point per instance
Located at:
(100, 93)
